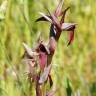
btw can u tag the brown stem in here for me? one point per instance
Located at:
(52, 46)
(38, 89)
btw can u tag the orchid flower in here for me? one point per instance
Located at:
(56, 25)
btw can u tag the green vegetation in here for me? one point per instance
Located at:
(76, 62)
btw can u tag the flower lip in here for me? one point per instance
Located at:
(68, 26)
(45, 74)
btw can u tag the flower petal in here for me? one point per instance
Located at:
(71, 38)
(59, 8)
(63, 15)
(52, 19)
(68, 26)
(42, 18)
(29, 50)
(48, 18)
(55, 21)
(42, 60)
(45, 74)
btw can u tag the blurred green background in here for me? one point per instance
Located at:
(76, 62)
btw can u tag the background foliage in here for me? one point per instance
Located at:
(76, 62)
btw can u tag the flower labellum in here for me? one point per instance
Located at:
(45, 74)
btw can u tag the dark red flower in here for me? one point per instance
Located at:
(43, 55)
(58, 26)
